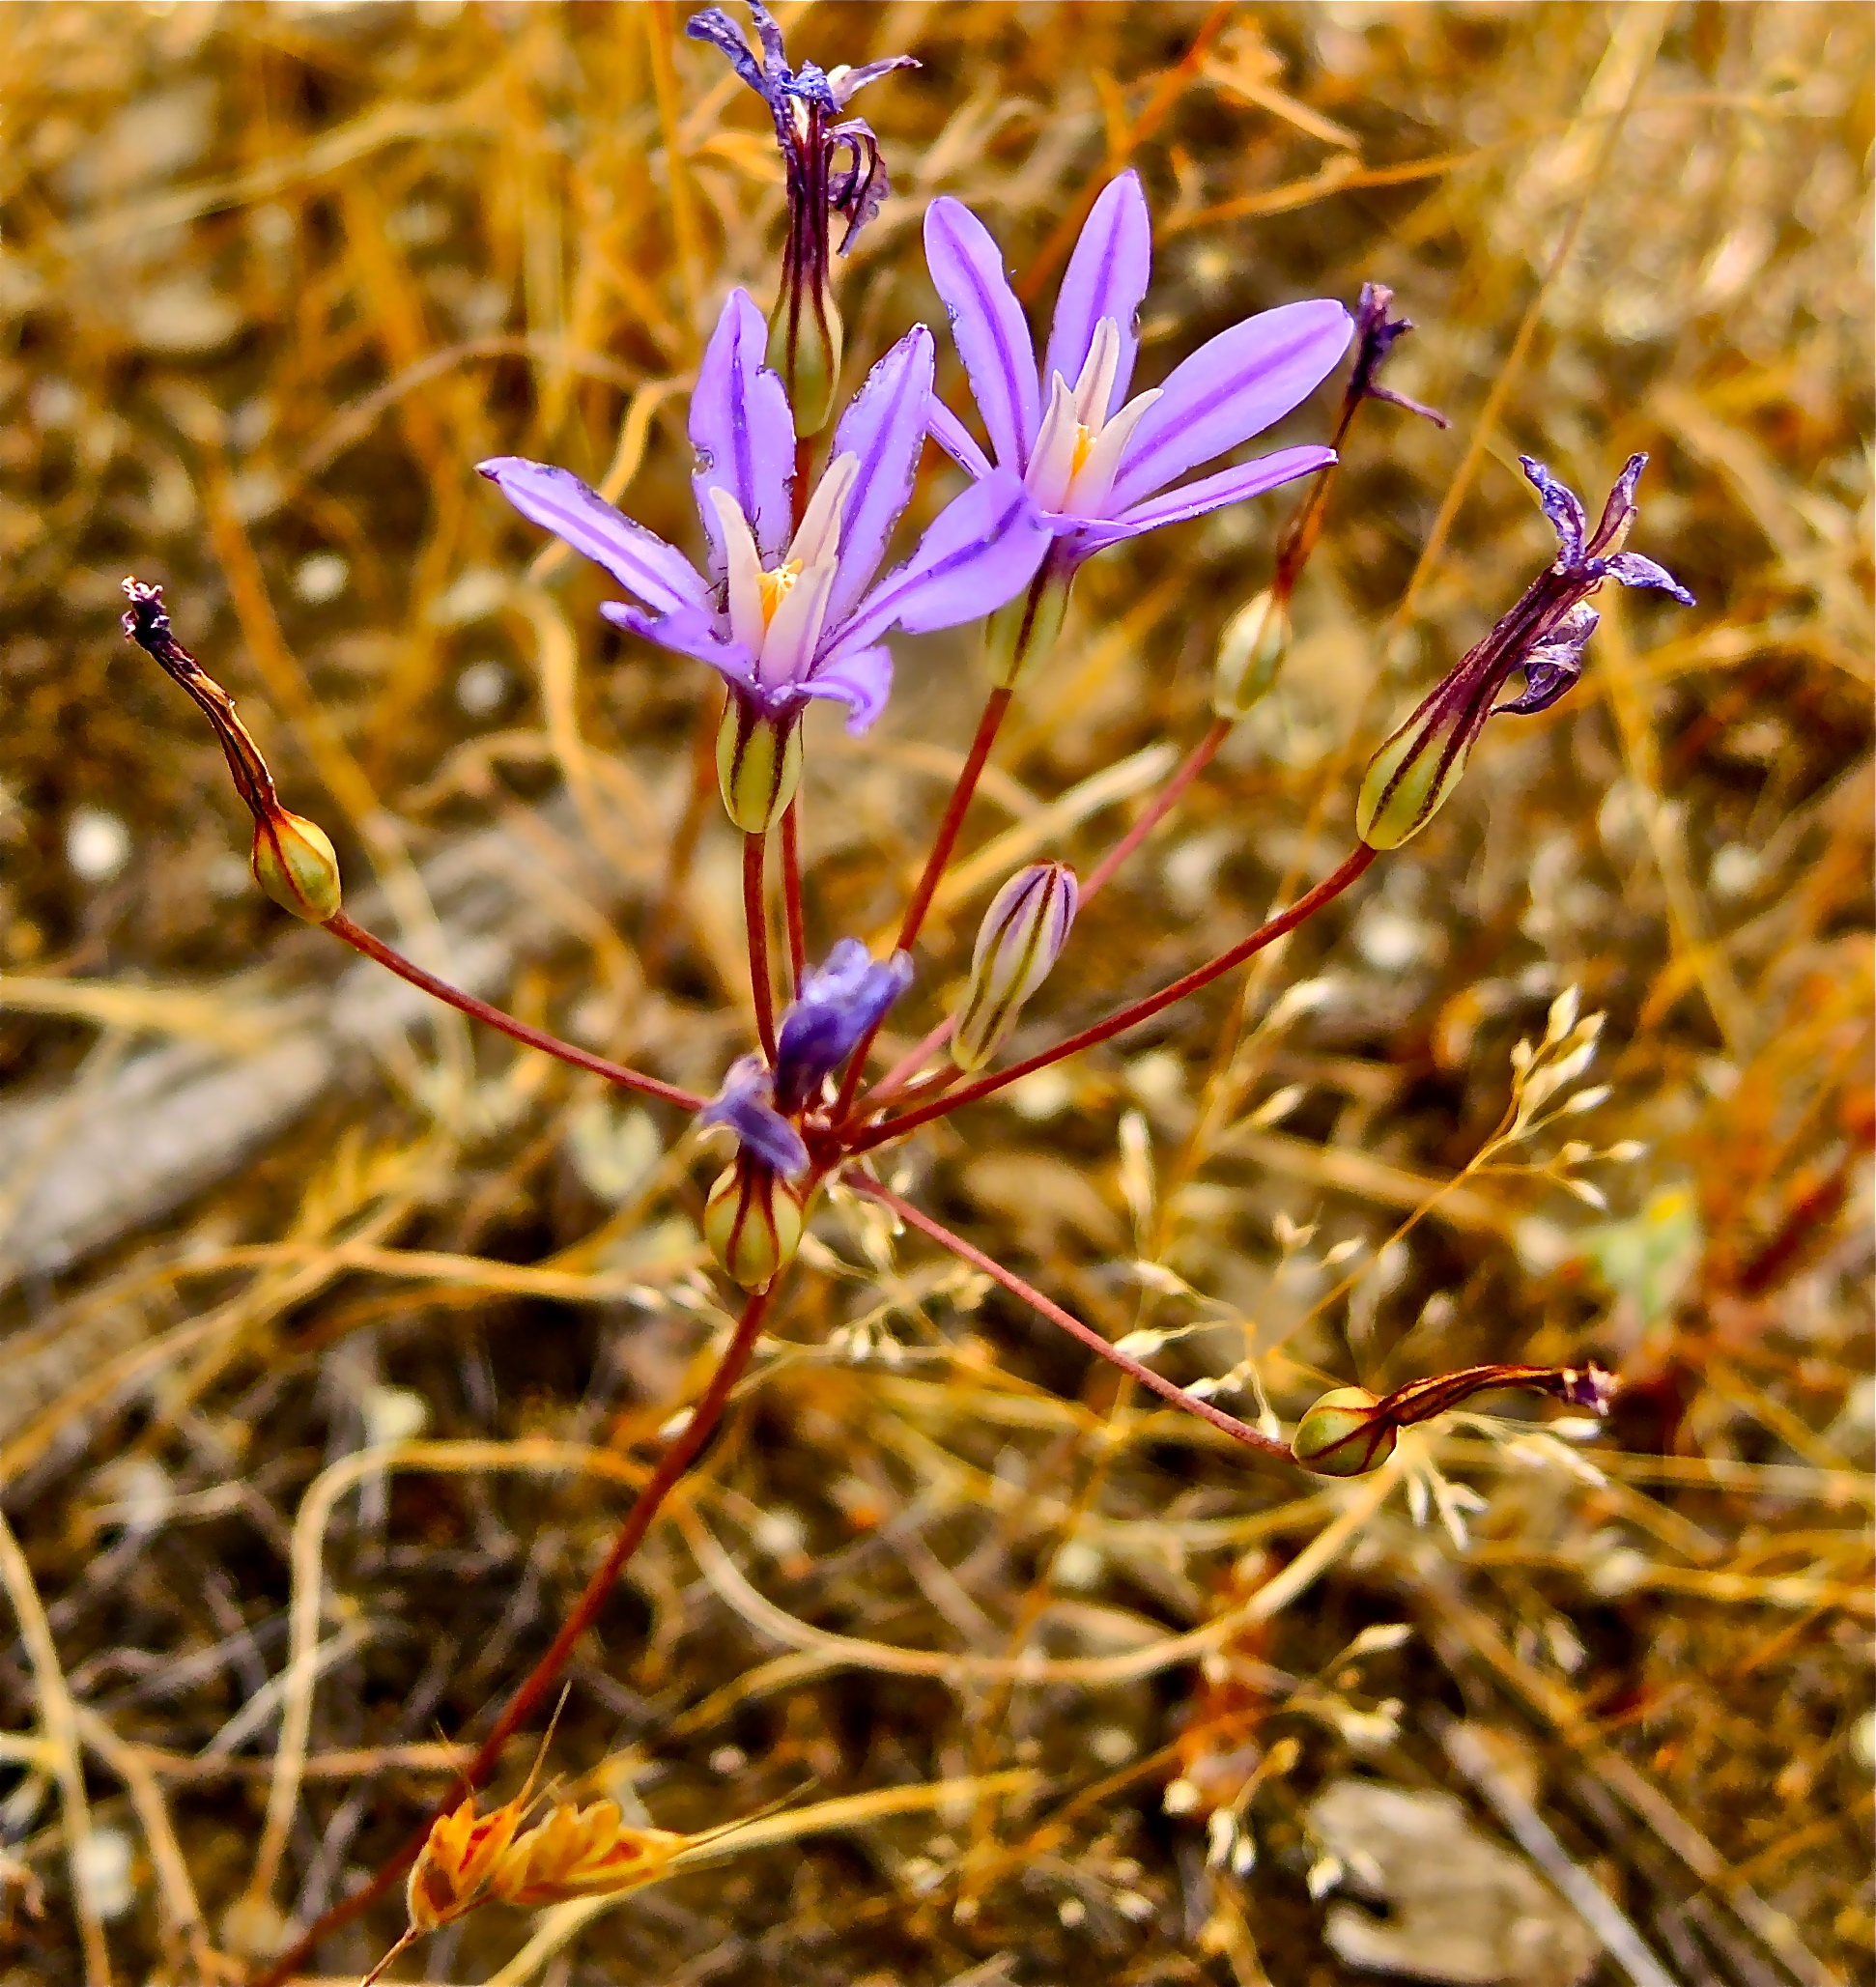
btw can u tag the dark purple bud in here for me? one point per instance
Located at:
(745, 1104)
(1376, 336)
(840, 1003)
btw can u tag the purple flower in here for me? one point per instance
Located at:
(786, 618)
(839, 1006)
(804, 331)
(1542, 638)
(1096, 461)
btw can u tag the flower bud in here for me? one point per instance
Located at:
(1254, 643)
(1020, 634)
(752, 1222)
(1343, 1434)
(805, 340)
(294, 863)
(758, 764)
(1409, 779)
(1020, 939)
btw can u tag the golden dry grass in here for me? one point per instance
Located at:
(273, 279)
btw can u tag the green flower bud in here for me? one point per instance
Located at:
(294, 863)
(1343, 1434)
(1020, 634)
(752, 1222)
(758, 764)
(1020, 939)
(1409, 779)
(805, 339)
(1250, 650)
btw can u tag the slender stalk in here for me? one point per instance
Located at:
(342, 926)
(1167, 1390)
(1129, 1017)
(1158, 808)
(791, 892)
(755, 918)
(684, 1450)
(996, 707)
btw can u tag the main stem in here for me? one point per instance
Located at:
(755, 918)
(626, 1541)
(342, 926)
(1131, 1017)
(1167, 1390)
(996, 707)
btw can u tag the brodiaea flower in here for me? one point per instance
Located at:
(805, 337)
(782, 617)
(1096, 461)
(1543, 639)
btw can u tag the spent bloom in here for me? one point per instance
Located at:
(1098, 463)
(787, 616)
(840, 1003)
(833, 168)
(1543, 637)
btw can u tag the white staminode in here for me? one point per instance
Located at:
(777, 615)
(1078, 447)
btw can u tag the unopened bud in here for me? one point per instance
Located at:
(294, 863)
(758, 764)
(1020, 939)
(1250, 651)
(1407, 782)
(1345, 1433)
(752, 1222)
(1021, 633)
(805, 339)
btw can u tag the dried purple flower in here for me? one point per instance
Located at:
(839, 1006)
(746, 1106)
(1095, 461)
(785, 619)
(804, 332)
(1543, 637)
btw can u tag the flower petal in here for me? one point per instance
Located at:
(1633, 570)
(884, 431)
(743, 431)
(1107, 278)
(982, 549)
(863, 681)
(955, 440)
(1562, 506)
(639, 560)
(688, 631)
(988, 324)
(1209, 493)
(1230, 389)
(744, 1105)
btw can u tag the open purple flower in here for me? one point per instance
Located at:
(1097, 464)
(786, 618)
(1542, 640)
(839, 1006)
(804, 330)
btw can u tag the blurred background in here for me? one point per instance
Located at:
(274, 278)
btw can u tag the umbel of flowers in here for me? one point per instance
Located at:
(794, 591)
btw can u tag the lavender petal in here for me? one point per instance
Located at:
(688, 631)
(988, 324)
(1630, 569)
(1230, 389)
(955, 440)
(843, 83)
(559, 502)
(884, 428)
(1562, 506)
(1107, 277)
(743, 431)
(979, 552)
(1209, 493)
(863, 681)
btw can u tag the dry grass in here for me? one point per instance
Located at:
(273, 279)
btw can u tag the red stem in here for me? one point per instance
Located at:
(1129, 1017)
(995, 706)
(791, 892)
(755, 918)
(1228, 1424)
(1158, 808)
(633, 1527)
(342, 926)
